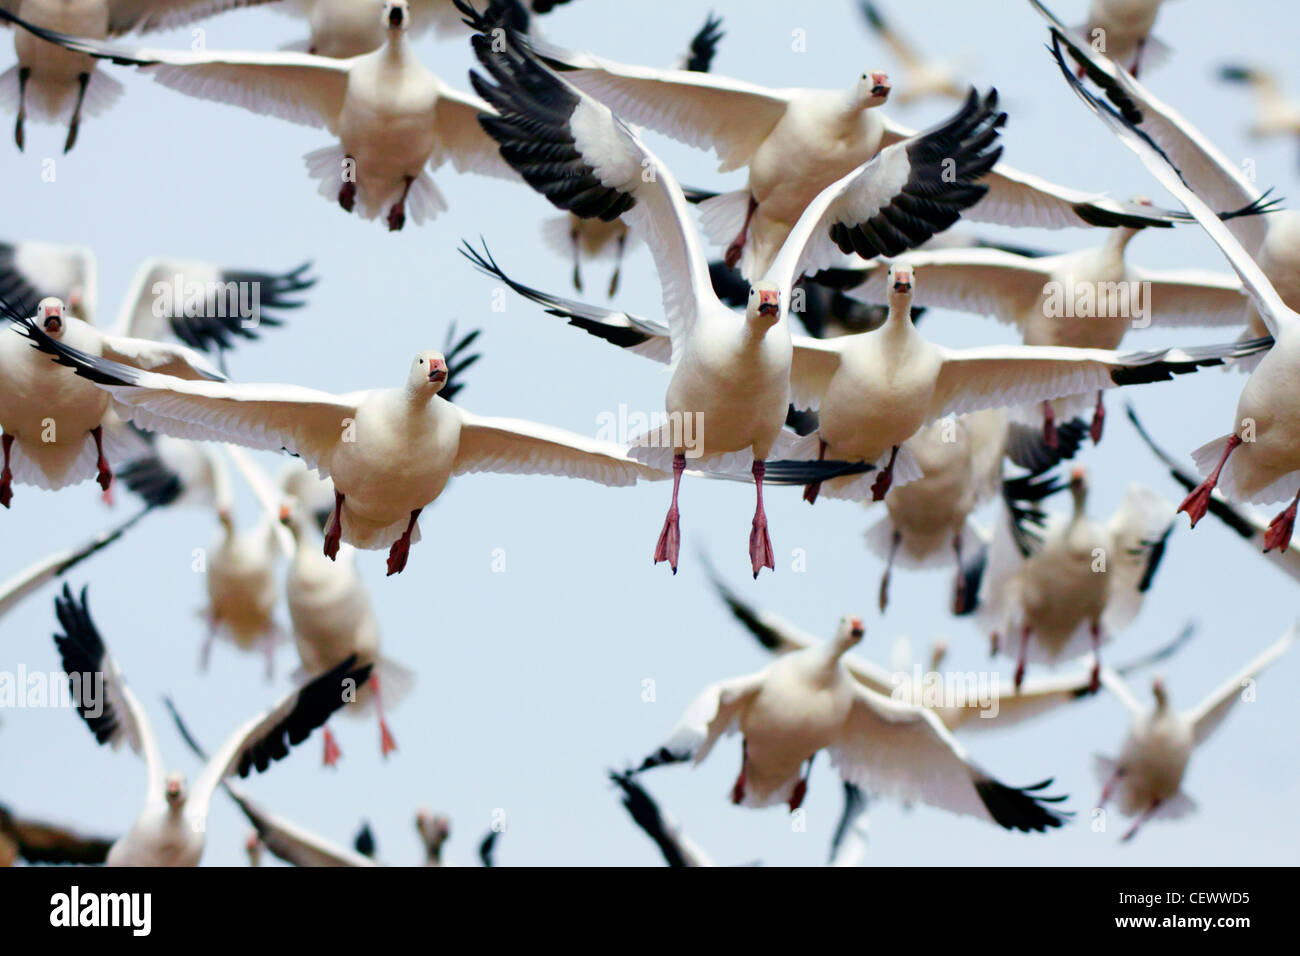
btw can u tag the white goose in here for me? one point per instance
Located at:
(578, 238)
(925, 77)
(1259, 460)
(1276, 114)
(46, 77)
(1242, 519)
(1054, 594)
(963, 709)
(390, 452)
(805, 702)
(1273, 240)
(1148, 774)
(53, 424)
(797, 142)
(1121, 29)
(391, 115)
(728, 372)
(1088, 298)
(170, 828)
(333, 618)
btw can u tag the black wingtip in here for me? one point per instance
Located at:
(1021, 808)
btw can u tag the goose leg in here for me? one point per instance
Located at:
(1020, 661)
(894, 542)
(738, 788)
(959, 588)
(401, 548)
(1281, 527)
(205, 651)
(348, 191)
(1137, 57)
(386, 742)
(995, 644)
(105, 478)
(670, 538)
(738, 244)
(1098, 420)
(397, 215)
(334, 533)
(332, 751)
(575, 240)
(83, 80)
(618, 265)
(760, 543)
(24, 74)
(6, 476)
(886, 478)
(1137, 824)
(1094, 683)
(1109, 789)
(107, 495)
(1049, 425)
(811, 489)
(1198, 502)
(801, 788)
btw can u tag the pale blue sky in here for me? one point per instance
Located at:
(529, 681)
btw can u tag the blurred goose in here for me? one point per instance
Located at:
(964, 710)
(391, 115)
(1073, 585)
(805, 702)
(797, 142)
(1121, 29)
(1273, 240)
(351, 438)
(1148, 774)
(1242, 519)
(333, 619)
(1275, 113)
(50, 81)
(53, 424)
(1259, 460)
(34, 841)
(714, 356)
(170, 828)
(1084, 299)
(594, 238)
(923, 77)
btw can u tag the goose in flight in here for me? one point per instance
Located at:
(924, 77)
(1147, 777)
(35, 841)
(1276, 114)
(390, 452)
(53, 424)
(392, 117)
(1074, 582)
(805, 702)
(1121, 29)
(1258, 461)
(715, 354)
(1240, 518)
(170, 829)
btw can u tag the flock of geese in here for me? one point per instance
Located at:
(791, 328)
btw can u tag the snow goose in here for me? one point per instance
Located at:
(1275, 113)
(960, 711)
(717, 357)
(333, 618)
(1265, 436)
(46, 77)
(1121, 29)
(170, 828)
(1148, 774)
(34, 841)
(1241, 519)
(805, 702)
(796, 142)
(47, 416)
(595, 238)
(925, 77)
(1273, 239)
(365, 441)
(391, 115)
(1076, 580)
(1088, 298)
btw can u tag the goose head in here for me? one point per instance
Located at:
(428, 373)
(849, 634)
(175, 791)
(901, 285)
(764, 306)
(434, 830)
(397, 14)
(1159, 692)
(52, 314)
(1079, 488)
(871, 89)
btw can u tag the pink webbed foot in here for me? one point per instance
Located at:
(386, 742)
(733, 253)
(332, 751)
(670, 540)
(397, 215)
(1098, 421)
(760, 546)
(1049, 425)
(797, 794)
(334, 533)
(811, 490)
(401, 548)
(880, 486)
(348, 196)
(1280, 530)
(1198, 501)
(105, 477)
